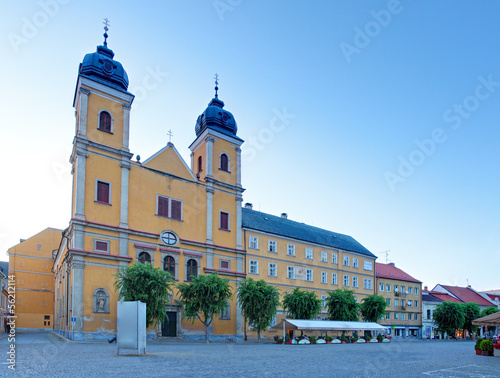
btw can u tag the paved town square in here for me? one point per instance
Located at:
(45, 354)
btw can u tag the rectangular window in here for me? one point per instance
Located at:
(416, 304)
(416, 316)
(428, 315)
(368, 265)
(169, 208)
(334, 258)
(103, 189)
(224, 221)
(324, 277)
(254, 242)
(309, 253)
(291, 272)
(354, 281)
(402, 302)
(290, 250)
(396, 303)
(388, 288)
(380, 287)
(324, 256)
(396, 288)
(273, 246)
(409, 316)
(410, 303)
(309, 274)
(402, 289)
(346, 260)
(101, 246)
(410, 290)
(346, 280)
(254, 267)
(368, 284)
(388, 300)
(323, 300)
(396, 315)
(416, 291)
(273, 270)
(388, 315)
(402, 316)
(334, 278)
(226, 264)
(354, 262)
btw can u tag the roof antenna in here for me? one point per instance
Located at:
(106, 24)
(216, 77)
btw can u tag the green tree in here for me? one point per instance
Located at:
(373, 308)
(204, 297)
(143, 282)
(258, 302)
(448, 316)
(489, 310)
(342, 305)
(301, 304)
(471, 311)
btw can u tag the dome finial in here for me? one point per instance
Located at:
(106, 24)
(216, 77)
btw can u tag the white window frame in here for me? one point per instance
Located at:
(255, 264)
(269, 265)
(323, 300)
(388, 288)
(324, 256)
(309, 253)
(416, 291)
(334, 279)
(409, 316)
(396, 303)
(335, 258)
(387, 316)
(355, 262)
(290, 272)
(112, 128)
(107, 242)
(381, 287)
(228, 163)
(290, 250)
(169, 215)
(109, 194)
(355, 281)
(346, 261)
(388, 301)
(175, 256)
(253, 242)
(409, 303)
(396, 316)
(403, 316)
(410, 290)
(309, 275)
(346, 279)
(324, 277)
(368, 284)
(272, 246)
(396, 288)
(416, 303)
(368, 265)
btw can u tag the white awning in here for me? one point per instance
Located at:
(327, 325)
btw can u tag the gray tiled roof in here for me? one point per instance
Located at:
(272, 224)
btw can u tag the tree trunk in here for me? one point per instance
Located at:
(258, 335)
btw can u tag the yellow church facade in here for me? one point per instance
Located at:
(184, 217)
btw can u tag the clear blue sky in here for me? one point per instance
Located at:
(391, 111)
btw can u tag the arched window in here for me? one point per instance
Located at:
(224, 163)
(169, 265)
(105, 121)
(144, 257)
(192, 269)
(200, 164)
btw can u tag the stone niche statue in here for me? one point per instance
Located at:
(101, 301)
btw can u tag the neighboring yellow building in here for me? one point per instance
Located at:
(403, 294)
(30, 263)
(185, 219)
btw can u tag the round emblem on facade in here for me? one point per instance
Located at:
(108, 66)
(168, 237)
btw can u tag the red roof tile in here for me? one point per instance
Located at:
(390, 271)
(467, 295)
(443, 296)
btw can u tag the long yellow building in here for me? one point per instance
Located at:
(185, 218)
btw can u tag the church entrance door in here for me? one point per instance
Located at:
(169, 328)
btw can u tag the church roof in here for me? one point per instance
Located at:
(215, 117)
(271, 224)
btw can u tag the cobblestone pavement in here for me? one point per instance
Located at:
(47, 355)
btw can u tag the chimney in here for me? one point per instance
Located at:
(284, 215)
(248, 205)
(425, 288)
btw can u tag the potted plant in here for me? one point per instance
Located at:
(343, 339)
(313, 340)
(279, 341)
(486, 347)
(355, 338)
(496, 349)
(287, 338)
(477, 347)
(328, 339)
(380, 337)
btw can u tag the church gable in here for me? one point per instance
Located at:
(169, 160)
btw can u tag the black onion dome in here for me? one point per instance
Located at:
(100, 66)
(216, 118)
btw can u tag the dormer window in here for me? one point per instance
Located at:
(224, 162)
(105, 121)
